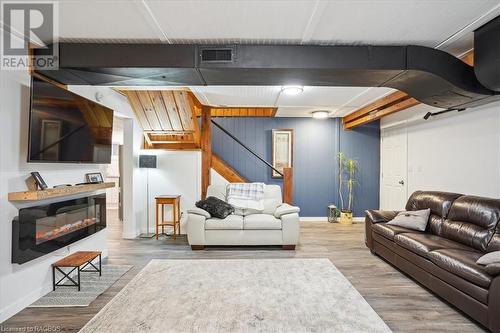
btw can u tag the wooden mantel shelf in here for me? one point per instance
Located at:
(57, 192)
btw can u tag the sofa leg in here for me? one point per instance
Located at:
(288, 247)
(197, 247)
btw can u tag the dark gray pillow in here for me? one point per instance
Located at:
(216, 207)
(413, 219)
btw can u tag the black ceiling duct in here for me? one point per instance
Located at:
(487, 54)
(431, 76)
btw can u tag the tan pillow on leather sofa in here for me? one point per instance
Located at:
(489, 258)
(413, 219)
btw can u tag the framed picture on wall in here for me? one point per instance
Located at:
(282, 150)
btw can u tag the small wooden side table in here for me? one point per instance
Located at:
(161, 201)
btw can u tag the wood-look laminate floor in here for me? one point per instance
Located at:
(403, 304)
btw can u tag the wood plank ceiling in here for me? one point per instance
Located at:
(168, 117)
(389, 104)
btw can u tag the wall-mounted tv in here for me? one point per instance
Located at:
(67, 128)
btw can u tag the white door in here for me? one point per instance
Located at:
(394, 166)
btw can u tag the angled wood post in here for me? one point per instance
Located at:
(206, 149)
(288, 185)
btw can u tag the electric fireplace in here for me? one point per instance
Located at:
(39, 230)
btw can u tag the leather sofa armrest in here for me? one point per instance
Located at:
(493, 269)
(380, 216)
(284, 209)
(199, 211)
(373, 217)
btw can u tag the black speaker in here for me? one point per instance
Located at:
(147, 161)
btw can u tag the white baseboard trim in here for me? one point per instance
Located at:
(325, 219)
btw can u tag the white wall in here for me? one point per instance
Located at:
(457, 152)
(20, 285)
(177, 172)
(134, 206)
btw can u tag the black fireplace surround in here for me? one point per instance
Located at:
(39, 230)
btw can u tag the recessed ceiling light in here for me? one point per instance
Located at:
(292, 90)
(320, 114)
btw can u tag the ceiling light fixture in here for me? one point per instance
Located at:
(292, 90)
(320, 114)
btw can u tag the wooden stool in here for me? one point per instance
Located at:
(161, 201)
(74, 261)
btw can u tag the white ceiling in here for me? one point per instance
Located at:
(339, 100)
(445, 24)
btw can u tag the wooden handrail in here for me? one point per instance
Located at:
(245, 146)
(287, 172)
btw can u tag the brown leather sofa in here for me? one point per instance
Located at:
(461, 229)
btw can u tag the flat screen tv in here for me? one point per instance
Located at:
(67, 128)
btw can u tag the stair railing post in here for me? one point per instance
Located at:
(206, 148)
(288, 185)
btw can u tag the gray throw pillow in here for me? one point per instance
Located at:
(489, 258)
(413, 219)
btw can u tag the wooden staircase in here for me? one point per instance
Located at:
(226, 171)
(169, 119)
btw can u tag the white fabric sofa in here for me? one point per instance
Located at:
(277, 224)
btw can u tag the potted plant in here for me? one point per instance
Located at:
(349, 166)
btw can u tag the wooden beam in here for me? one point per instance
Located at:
(226, 171)
(175, 146)
(404, 104)
(379, 103)
(288, 185)
(468, 58)
(389, 103)
(206, 149)
(237, 111)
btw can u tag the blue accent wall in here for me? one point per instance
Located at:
(316, 143)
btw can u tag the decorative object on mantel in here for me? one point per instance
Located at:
(57, 192)
(40, 183)
(93, 285)
(94, 178)
(349, 166)
(282, 149)
(147, 162)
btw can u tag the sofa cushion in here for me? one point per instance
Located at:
(493, 269)
(415, 220)
(272, 198)
(389, 231)
(472, 221)
(232, 222)
(461, 263)
(422, 244)
(438, 202)
(260, 222)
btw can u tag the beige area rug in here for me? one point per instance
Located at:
(239, 295)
